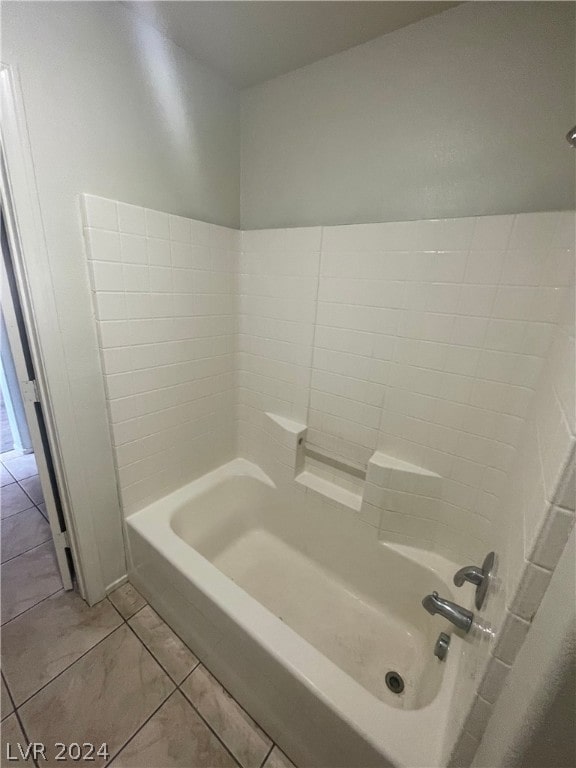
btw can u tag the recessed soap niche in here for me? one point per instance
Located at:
(401, 500)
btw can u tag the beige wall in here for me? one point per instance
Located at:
(112, 109)
(461, 114)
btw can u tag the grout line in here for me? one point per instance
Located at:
(208, 725)
(35, 503)
(263, 763)
(7, 517)
(34, 546)
(17, 715)
(18, 615)
(62, 671)
(156, 659)
(60, 589)
(179, 685)
(230, 695)
(9, 695)
(146, 721)
(125, 619)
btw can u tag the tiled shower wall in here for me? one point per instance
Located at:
(427, 341)
(448, 344)
(164, 299)
(277, 299)
(539, 501)
(423, 340)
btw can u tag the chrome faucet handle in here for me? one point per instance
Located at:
(471, 573)
(480, 577)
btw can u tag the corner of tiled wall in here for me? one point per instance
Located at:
(540, 503)
(423, 340)
(164, 301)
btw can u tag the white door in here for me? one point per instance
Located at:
(23, 362)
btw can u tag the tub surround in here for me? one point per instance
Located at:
(425, 343)
(397, 376)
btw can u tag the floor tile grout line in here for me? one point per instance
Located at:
(231, 696)
(177, 688)
(22, 479)
(46, 684)
(25, 551)
(179, 685)
(31, 548)
(207, 724)
(263, 763)
(198, 660)
(19, 483)
(17, 616)
(9, 692)
(156, 659)
(146, 721)
(201, 663)
(34, 506)
(7, 470)
(17, 714)
(7, 517)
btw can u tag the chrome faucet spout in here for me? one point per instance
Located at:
(460, 617)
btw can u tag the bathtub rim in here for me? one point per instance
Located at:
(374, 720)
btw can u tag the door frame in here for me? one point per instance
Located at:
(25, 230)
(16, 330)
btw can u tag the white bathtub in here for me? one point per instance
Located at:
(300, 611)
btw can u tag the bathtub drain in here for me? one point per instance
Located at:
(394, 682)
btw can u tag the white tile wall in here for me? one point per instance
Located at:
(426, 342)
(277, 291)
(429, 343)
(423, 340)
(445, 344)
(164, 301)
(538, 501)
(451, 337)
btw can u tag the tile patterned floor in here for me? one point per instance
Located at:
(29, 572)
(116, 673)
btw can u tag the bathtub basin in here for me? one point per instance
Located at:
(300, 611)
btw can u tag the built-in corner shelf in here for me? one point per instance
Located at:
(330, 489)
(389, 471)
(364, 490)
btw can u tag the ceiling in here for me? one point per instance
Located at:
(250, 42)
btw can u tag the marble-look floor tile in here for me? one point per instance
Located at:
(127, 600)
(6, 707)
(11, 454)
(43, 510)
(5, 476)
(13, 500)
(104, 697)
(277, 759)
(49, 637)
(247, 742)
(22, 532)
(176, 658)
(12, 735)
(29, 578)
(33, 488)
(22, 466)
(175, 737)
